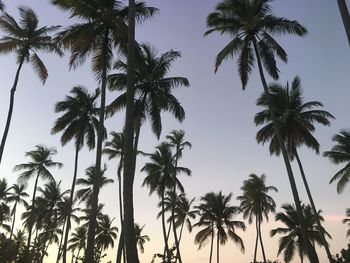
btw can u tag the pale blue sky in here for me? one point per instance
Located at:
(219, 115)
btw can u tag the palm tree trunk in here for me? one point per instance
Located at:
(9, 114)
(77, 257)
(121, 247)
(66, 234)
(128, 182)
(211, 243)
(178, 254)
(167, 236)
(89, 258)
(261, 242)
(310, 251)
(314, 210)
(181, 229)
(256, 239)
(217, 248)
(344, 12)
(72, 259)
(121, 244)
(14, 219)
(167, 253)
(61, 242)
(30, 221)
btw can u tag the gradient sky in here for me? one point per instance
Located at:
(219, 115)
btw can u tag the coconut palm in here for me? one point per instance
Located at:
(17, 196)
(78, 123)
(347, 221)
(216, 218)
(340, 153)
(106, 234)
(78, 241)
(257, 203)
(292, 236)
(252, 25)
(25, 38)
(140, 238)
(38, 166)
(4, 208)
(344, 12)
(19, 239)
(297, 121)
(102, 28)
(162, 175)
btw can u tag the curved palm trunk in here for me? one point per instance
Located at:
(167, 253)
(217, 248)
(344, 12)
(89, 255)
(211, 243)
(61, 242)
(314, 210)
(178, 254)
(121, 244)
(128, 182)
(10, 110)
(30, 221)
(310, 251)
(14, 219)
(256, 239)
(167, 236)
(66, 234)
(261, 242)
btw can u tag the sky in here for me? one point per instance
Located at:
(219, 116)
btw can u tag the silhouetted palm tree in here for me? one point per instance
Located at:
(340, 153)
(78, 241)
(347, 221)
(216, 218)
(4, 207)
(78, 123)
(140, 238)
(102, 28)
(25, 39)
(252, 25)
(296, 120)
(292, 236)
(255, 202)
(344, 12)
(40, 162)
(105, 236)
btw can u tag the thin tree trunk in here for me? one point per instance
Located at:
(182, 226)
(77, 257)
(72, 259)
(310, 251)
(314, 210)
(121, 244)
(256, 239)
(217, 248)
(167, 253)
(61, 242)
(178, 254)
(14, 219)
(344, 12)
(261, 242)
(71, 197)
(89, 257)
(211, 244)
(128, 182)
(10, 110)
(121, 247)
(167, 236)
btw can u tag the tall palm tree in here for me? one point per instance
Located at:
(256, 202)
(292, 237)
(78, 241)
(252, 26)
(115, 149)
(140, 238)
(38, 166)
(78, 123)
(17, 196)
(340, 153)
(103, 28)
(216, 218)
(161, 175)
(297, 121)
(344, 12)
(25, 38)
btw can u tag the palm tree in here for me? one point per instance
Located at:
(161, 175)
(292, 236)
(344, 12)
(340, 153)
(255, 202)
(106, 234)
(78, 122)
(26, 39)
(115, 149)
(216, 218)
(252, 26)
(78, 241)
(4, 208)
(17, 196)
(296, 121)
(140, 238)
(103, 28)
(347, 221)
(19, 239)
(40, 162)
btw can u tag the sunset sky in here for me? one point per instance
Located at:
(219, 116)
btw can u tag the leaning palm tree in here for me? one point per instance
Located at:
(17, 196)
(140, 238)
(344, 13)
(216, 218)
(102, 28)
(297, 121)
(255, 202)
(162, 175)
(292, 236)
(38, 166)
(25, 38)
(340, 153)
(252, 25)
(78, 123)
